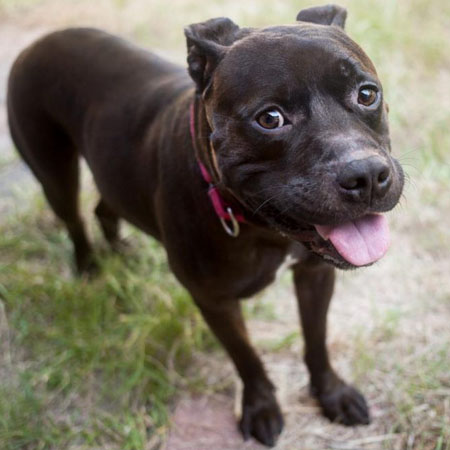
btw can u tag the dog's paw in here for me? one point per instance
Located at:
(87, 267)
(344, 404)
(261, 416)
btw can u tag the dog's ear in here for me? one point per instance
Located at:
(207, 44)
(324, 15)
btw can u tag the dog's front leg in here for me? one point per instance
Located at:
(314, 283)
(261, 416)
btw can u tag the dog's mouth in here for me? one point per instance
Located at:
(356, 243)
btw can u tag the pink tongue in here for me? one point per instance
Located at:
(360, 242)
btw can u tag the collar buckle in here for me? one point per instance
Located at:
(234, 229)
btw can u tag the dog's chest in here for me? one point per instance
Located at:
(257, 267)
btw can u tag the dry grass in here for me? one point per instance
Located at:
(389, 324)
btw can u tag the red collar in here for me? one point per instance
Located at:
(229, 219)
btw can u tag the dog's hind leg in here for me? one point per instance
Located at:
(53, 159)
(314, 283)
(109, 223)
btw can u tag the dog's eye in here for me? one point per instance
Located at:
(271, 119)
(367, 95)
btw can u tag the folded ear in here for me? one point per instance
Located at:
(324, 15)
(207, 44)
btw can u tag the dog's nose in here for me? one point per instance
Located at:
(365, 179)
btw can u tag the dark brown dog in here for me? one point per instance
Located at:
(290, 124)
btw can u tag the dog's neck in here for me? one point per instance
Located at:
(229, 214)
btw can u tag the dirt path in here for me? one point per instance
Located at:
(14, 175)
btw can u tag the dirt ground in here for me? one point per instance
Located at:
(14, 175)
(389, 326)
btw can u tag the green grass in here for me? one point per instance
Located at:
(92, 362)
(416, 385)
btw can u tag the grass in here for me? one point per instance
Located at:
(97, 364)
(417, 383)
(88, 361)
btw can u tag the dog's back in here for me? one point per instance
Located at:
(72, 73)
(84, 91)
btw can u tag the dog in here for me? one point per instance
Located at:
(273, 143)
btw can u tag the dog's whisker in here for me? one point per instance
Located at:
(267, 201)
(408, 152)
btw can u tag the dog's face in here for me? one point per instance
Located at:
(299, 131)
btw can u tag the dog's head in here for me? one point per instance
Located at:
(299, 130)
